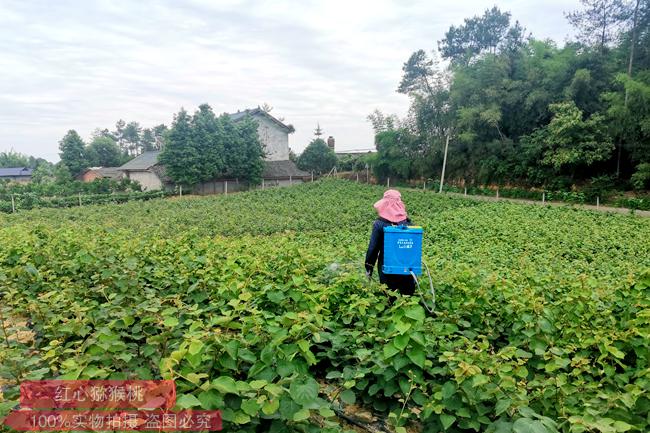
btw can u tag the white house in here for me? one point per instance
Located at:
(144, 169)
(273, 134)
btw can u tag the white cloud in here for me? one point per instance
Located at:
(81, 65)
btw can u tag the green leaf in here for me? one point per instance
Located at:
(621, 426)
(274, 389)
(448, 389)
(390, 350)
(415, 312)
(527, 425)
(250, 406)
(616, 352)
(225, 384)
(417, 355)
(502, 406)
(257, 384)
(211, 400)
(447, 420)
(301, 415)
(271, 406)
(303, 345)
(170, 321)
(326, 412)
(186, 401)
(241, 418)
(303, 390)
(480, 379)
(401, 341)
(348, 396)
(402, 326)
(195, 347)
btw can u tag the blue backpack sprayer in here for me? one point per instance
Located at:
(403, 256)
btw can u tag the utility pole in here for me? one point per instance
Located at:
(444, 164)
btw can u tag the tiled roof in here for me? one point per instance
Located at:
(282, 169)
(15, 171)
(142, 162)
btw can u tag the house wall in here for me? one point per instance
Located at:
(274, 139)
(17, 179)
(219, 187)
(89, 176)
(270, 183)
(148, 180)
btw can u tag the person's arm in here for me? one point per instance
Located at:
(373, 247)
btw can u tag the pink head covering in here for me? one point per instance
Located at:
(391, 207)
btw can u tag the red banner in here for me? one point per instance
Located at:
(93, 394)
(156, 420)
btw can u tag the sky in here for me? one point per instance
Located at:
(85, 64)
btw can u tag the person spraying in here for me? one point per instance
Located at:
(391, 212)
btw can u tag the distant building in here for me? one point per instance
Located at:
(16, 174)
(145, 170)
(93, 173)
(330, 142)
(278, 169)
(273, 133)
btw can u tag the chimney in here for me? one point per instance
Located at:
(330, 142)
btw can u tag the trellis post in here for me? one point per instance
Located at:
(13, 204)
(444, 164)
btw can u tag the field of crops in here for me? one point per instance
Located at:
(257, 304)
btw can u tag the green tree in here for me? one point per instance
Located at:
(159, 132)
(148, 140)
(243, 149)
(131, 136)
(487, 33)
(44, 173)
(570, 142)
(118, 135)
(103, 152)
(13, 159)
(629, 116)
(72, 153)
(317, 157)
(599, 21)
(205, 147)
(180, 156)
(62, 173)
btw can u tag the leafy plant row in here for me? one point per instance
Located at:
(31, 201)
